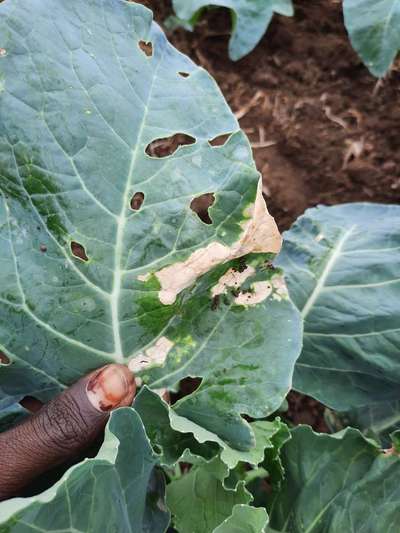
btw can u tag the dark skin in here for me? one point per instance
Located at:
(63, 428)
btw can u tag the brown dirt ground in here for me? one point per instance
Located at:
(323, 129)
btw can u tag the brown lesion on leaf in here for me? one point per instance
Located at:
(137, 201)
(167, 146)
(201, 204)
(184, 74)
(146, 47)
(78, 251)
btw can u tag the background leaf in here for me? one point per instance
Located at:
(115, 491)
(244, 519)
(203, 492)
(339, 482)
(374, 30)
(103, 258)
(250, 19)
(377, 420)
(342, 267)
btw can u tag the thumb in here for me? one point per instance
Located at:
(63, 428)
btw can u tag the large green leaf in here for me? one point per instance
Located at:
(250, 19)
(343, 272)
(90, 272)
(374, 29)
(336, 483)
(117, 491)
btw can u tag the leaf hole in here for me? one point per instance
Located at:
(137, 201)
(168, 145)
(33, 405)
(201, 205)
(220, 140)
(4, 359)
(146, 48)
(186, 386)
(43, 248)
(184, 74)
(79, 251)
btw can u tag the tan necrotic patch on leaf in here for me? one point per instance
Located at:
(260, 290)
(155, 355)
(260, 235)
(231, 278)
(280, 288)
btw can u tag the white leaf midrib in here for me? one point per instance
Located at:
(333, 257)
(121, 224)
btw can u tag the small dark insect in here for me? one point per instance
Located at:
(43, 248)
(215, 302)
(270, 266)
(242, 264)
(235, 291)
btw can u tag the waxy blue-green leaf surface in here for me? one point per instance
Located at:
(80, 103)
(335, 483)
(374, 30)
(376, 420)
(117, 491)
(342, 267)
(250, 19)
(12, 415)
